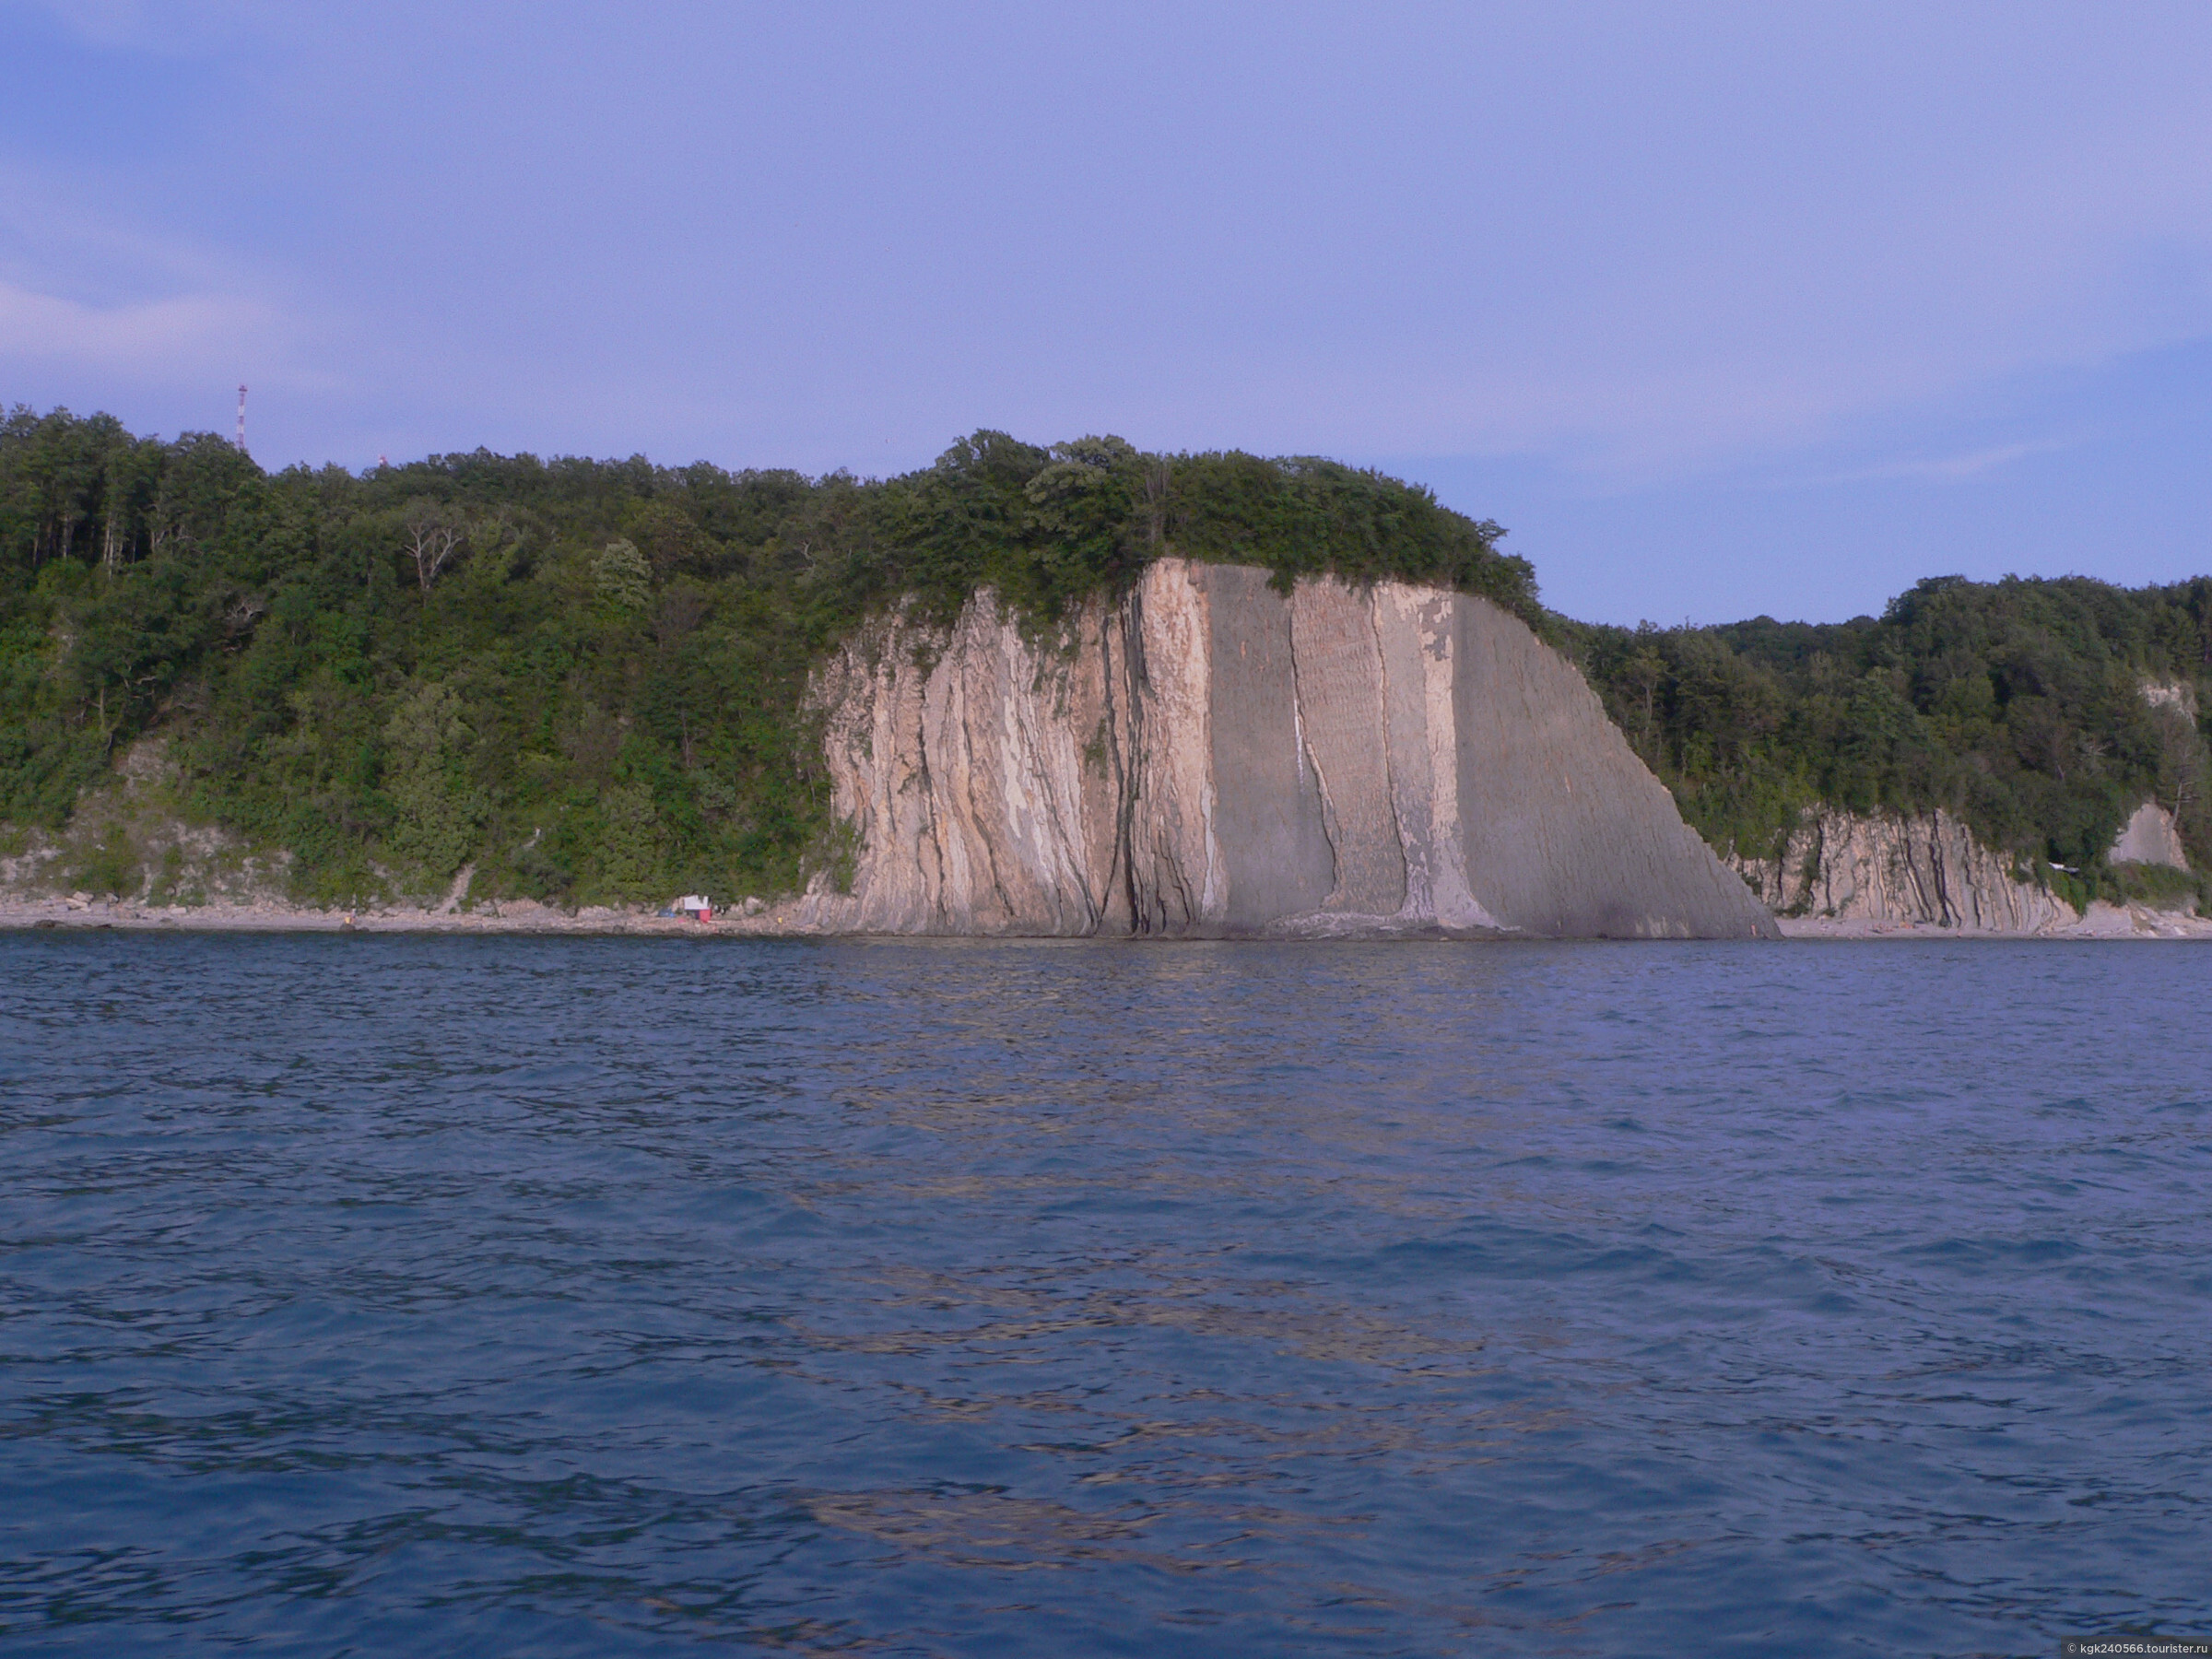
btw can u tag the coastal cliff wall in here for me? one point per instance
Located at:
(1209, 757)
(1925, 870)
(1928, 870)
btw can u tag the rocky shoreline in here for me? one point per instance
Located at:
(793, 919)
(522, 916)
(2101, 922)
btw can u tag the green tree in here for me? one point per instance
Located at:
(435, 811)
(631, 848)
(622, 575)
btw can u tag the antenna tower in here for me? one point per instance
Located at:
(241, 419)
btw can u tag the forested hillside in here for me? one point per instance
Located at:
(585, 678)
(2040, 712)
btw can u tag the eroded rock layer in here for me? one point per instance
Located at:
(1922, 868)
(1211, 757)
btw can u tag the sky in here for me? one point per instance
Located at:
(1722, 310)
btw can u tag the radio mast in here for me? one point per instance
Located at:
(242, 420)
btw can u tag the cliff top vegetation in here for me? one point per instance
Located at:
(585, 677)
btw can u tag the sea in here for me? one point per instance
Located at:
(485, 1296)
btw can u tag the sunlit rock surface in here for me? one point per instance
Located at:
(1916, 868)
(1211, 757)
(2150, 837)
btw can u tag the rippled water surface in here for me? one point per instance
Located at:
(570, 1297)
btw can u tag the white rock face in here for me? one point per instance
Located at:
(2177, 695)
(1925, 870)
(2150, 837)
(1210, 758)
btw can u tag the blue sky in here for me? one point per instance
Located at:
(1722, 308)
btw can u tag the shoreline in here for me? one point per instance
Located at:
(524, 917)
(518, 916)
(2102, 920)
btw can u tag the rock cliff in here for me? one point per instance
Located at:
(1211, 757)
(1927, 870)
(2152, 837)
(1923, 868)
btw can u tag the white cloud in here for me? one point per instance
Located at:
(187, 335)
(1947, 469)
(144, 26)
(104, 22)
(85, 292)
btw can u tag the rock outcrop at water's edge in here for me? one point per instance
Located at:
(1924, 869)
(1846, 874)
(1211, 757)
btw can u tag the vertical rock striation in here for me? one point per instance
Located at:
(1211, 757)
(1923, 868)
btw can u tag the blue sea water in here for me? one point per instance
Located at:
(489, 1296)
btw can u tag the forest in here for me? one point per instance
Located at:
(2042, 712)
(586, 678)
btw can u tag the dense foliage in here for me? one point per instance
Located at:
(2020, 705)
(585, 677)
